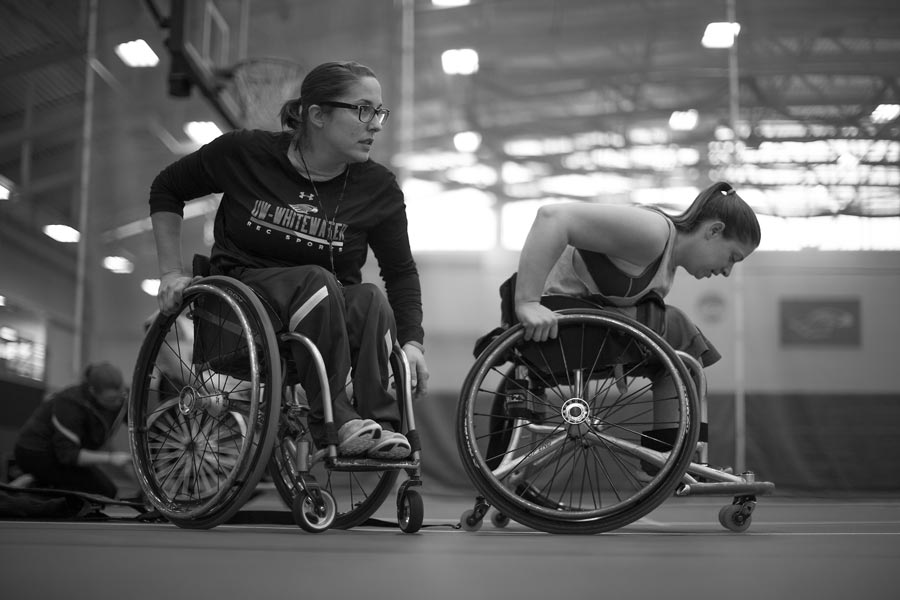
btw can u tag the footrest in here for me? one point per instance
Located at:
(747, 488)
(369, 464)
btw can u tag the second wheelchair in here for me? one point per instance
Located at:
(561, 435)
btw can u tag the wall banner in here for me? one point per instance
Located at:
(820, 322)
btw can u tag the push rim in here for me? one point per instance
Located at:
(199, 435)
(574, 473)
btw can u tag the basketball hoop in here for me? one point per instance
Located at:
(261, 86)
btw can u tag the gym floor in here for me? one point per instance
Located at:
(796, 547)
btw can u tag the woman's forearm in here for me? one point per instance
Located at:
(167, 233)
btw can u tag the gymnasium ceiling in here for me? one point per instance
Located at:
(567, 90)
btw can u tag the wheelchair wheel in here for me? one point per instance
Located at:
(550, 433)
(358, 494)
(311, 516)
(204, 405)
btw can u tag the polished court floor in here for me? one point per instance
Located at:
(797, 548)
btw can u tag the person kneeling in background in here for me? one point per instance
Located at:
(60, 443)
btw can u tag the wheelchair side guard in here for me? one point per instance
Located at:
(485, 340)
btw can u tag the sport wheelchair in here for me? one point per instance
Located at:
(215, 401)
(561, 435)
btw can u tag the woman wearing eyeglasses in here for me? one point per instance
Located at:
(299, 211)
(62, 445)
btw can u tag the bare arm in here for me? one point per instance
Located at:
(173, 277)
(630, 233)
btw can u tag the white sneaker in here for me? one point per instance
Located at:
(357, 436)
(391, 446)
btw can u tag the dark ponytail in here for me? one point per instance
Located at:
(721, 202)
(290, 114)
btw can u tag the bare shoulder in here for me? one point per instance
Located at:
(632, 233)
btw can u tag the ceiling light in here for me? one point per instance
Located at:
(150, 287)
(683, 120)
(720, 35)
(723, 132)
(6, 188)
(450, 3)
(62, 233)
(479, 175)
(463, 61)
(648, 135)
(137, 54)
(118, 264)
(885, 113)
(202, 132)
(467, 141)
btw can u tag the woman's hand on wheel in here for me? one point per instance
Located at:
(538, 320)
(417, 368)
(171, 286)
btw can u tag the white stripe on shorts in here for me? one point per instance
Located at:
(307, 307)
(388, 342)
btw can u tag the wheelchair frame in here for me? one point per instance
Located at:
(186, 394)
(508, 450)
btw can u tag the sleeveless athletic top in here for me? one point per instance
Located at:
(585, 273)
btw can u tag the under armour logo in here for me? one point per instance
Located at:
(306, 196)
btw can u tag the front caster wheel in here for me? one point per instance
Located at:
(411, 512)
(499, 520)
(312, 516)
(735, 517)
(469, 521)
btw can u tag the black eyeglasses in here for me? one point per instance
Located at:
(367, 112)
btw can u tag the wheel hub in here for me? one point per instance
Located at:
(187, 400)
(190, 401)
(575, 411)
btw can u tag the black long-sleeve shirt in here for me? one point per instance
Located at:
(66, 423)
(271, 216)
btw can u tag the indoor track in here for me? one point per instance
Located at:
(795, 548)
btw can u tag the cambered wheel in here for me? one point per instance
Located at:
(550, 433)
(204, 404)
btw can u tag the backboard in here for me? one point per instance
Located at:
(206, 38)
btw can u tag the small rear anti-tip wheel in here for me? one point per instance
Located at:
(411, 512)
(499, 520)
(734, 517)
(312, 516)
